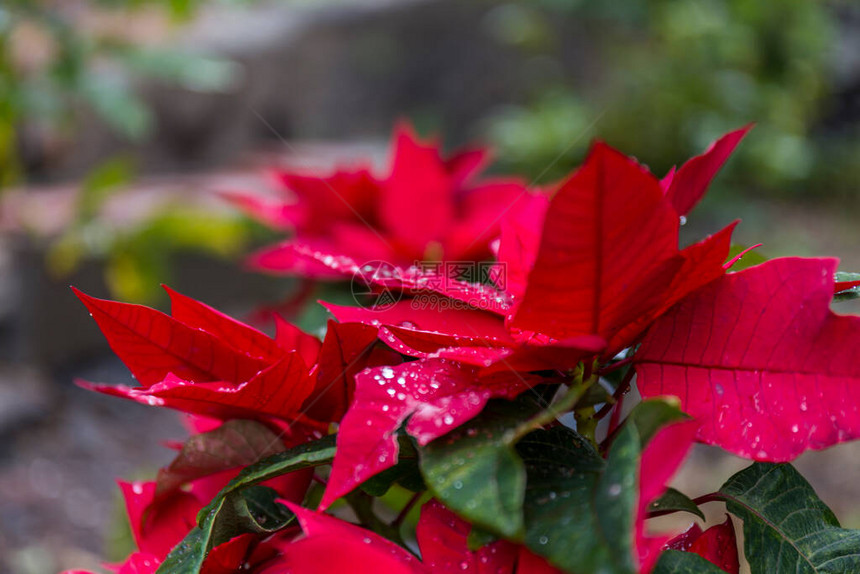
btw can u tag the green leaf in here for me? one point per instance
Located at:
(677, 562)
(579, 510)
(257, 506)
(673, 500)
(475, 471)
(847, 294)
(787, 528)
(227, 515)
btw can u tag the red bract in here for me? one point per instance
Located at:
(441, 537)
(661, 458)
(760, 359)
(609, 256)
(426, 207)
(605, 267)
(717, 545)
(435, 395)
(686, 187)
(333, 546)
(203, 362)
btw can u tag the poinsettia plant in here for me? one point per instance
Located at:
(447, 425)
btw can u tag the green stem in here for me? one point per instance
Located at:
(575, 392)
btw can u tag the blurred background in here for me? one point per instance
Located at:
(121, 120)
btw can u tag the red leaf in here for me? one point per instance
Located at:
(278, 391)
(519, 242)
(438, 394)
(760, 359)
(717, 545)
(661, 458)
(703, 263)
(449, 324)
(841, 286)
(290, 338)
(607, 254)
(158, 528)
(690, 183)
(332, 545)
(151, 344)
(241, 337)
(417, 203)
(443, 540)
(346, 350)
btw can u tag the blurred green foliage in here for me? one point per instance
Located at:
(55, 58)
(666, 77)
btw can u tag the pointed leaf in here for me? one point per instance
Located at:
(277, 391)
(607, 254)
(475, 470)
(689, 184)
(152, 344)
(847, 286)
(188, 556)
(677, 562)
(573, 497)
(242, 338)
(673, 500)
(786, 527)
(760, 360)
(235, 443)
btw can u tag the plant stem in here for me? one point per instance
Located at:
(622, 389)
(616, 415)
(552, 412)
(404, 512)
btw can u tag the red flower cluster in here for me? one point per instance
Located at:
(588, 279)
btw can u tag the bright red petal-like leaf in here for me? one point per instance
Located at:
(466, 163)
(346, 351)
(272, 212)
(417, 203)
(229, 557)
(519, 242)
(607, 254)
(434, 394)
(689, 184)
(278, 391)
(760, 359)
(703, 263)
(443, 540)
(158, 528)
(152, 344)
(480, 211)
(717, 545)
(332, 545)
(241, 337)
(310, 258)
(661, 458)
(290, 338)
(442, 328)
